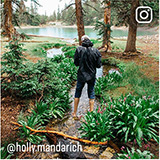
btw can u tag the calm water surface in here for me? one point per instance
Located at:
(72, 32)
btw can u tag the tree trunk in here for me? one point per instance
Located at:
(107, 20)
(79, 18)
(131, 41)
(8, 27)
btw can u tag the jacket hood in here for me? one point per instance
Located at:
(87, 43)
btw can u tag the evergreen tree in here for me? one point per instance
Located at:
(58, 14)
(9, 7)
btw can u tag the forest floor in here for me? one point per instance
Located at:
(148, 58)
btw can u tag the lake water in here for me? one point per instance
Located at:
(72, 32)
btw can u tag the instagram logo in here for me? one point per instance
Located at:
(144, 14)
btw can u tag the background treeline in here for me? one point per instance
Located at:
(67, 16)
(92, 12)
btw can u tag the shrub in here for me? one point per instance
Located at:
(97, 126)
(70, 53)
(135, 118)
(58, 58)
(67, 48)
(12, 63)
(46, 78)
(47, 111)
(35, 123)
(135, 154)
(42, 111)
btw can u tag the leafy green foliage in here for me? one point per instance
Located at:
(42, 111)
(128, 118)
(92, 11)
(121, 10)
(67, 48)
(68, 15)
(12, 63)
(97, 126)
(106, 82)
(135, 154)
(135, 118)
(101, 27)
(48, 78)
(35, 123)
(4, 154)
(42, 50)
(58, 58)
(47, 111)
(69, 51)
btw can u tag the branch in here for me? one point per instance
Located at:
(35, 1)
(74, 13)
(91, 6)
(62, 134)
(68, 7)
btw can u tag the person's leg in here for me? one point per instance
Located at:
(91, 104)
(76, 102)
(91, 94)
(78, 93)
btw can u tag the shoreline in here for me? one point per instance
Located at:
(156, 36)
(60, 25)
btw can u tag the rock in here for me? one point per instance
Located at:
(107, 154)
(69, 122)
(91, 149)
(110, 150)
(56, 155)
(70, 154)
(91, 152)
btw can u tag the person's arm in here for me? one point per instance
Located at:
(99, 62)
(76, 58)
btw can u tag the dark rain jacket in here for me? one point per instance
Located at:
(88, 59)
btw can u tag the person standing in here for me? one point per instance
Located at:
(88, 59)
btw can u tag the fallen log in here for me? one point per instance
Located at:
(62, 134)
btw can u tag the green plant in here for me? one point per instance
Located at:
(12, 63)
(35, 123)
(135, 118)
(58, 58)
(70, 53)
(121, 67)
(4, 153)
(67, 48)
(56, 108)
(97, 126)
(104, 30)
(135, 154)
(42, 111)
(106, 82)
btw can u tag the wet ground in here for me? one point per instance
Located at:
(70, 126)
(53, 52)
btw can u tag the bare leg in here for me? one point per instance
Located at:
(76, 102)
(91, 104)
